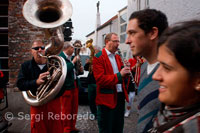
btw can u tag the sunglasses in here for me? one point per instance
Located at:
(115, 41)
(37, 48)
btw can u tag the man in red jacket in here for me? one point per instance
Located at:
(109, 72)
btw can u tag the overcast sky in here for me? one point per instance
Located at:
(84, 14)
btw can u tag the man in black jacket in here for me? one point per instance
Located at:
(32, 74)
(91, 83)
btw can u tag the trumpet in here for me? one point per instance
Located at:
(77, 48)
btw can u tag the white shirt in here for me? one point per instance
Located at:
(114, 66)
(69, 58)
(150, 67)
(41, 66)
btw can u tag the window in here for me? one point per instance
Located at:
(138, 5)
(123, 25)
(122, 38)
(103, 39)
(146, 3)
(123, 18)
(123, 28)
(4, 38)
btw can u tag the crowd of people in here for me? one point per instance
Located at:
(165, 79)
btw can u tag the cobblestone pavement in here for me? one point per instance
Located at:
(90, 126)
(84, 124)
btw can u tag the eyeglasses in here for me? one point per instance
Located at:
(115, 41)
(37, 48)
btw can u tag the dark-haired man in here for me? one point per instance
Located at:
(144, 29)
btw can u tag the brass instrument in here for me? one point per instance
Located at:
(90, 46)
(49, 14)
(77, 48)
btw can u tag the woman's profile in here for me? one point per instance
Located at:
(179, 79)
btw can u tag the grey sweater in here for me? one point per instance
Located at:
(147, 99)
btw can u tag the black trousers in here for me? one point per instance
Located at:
(91, 98)
(112, 120)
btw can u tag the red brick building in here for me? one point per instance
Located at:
(21, 33)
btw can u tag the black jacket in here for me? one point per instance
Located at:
(28, 75)
(90, 77)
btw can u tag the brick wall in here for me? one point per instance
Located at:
(20, 35)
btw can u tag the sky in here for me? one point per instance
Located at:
(84, 14)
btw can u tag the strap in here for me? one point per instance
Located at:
(172, 123)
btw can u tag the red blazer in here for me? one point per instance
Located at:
(106, 80)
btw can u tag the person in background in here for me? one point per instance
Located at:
(135, 66)
(131, 86)
(4, 124)
(140, 61)
(92, 83)
(69, 91)
(32, 74)
(111, 92)
(2, 85)
(179, 79)
(143, 31)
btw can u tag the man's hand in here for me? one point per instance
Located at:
(125, 71)
(75, 59)
(87, 61)
(42, 78)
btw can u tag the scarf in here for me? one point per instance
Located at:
(167, 114)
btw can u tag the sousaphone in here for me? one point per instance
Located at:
(51, 15)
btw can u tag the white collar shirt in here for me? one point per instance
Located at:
(69, 58)
(114, 66)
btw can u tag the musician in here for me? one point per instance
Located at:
(2, 85)
(32, 74)
(135, 66)
(92, 83)
(131, 86)
(69, 98)
(3, 122)
(111, 91)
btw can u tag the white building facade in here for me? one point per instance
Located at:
(175, 10)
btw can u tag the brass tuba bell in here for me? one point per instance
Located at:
(49, 14)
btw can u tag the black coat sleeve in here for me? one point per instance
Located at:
(25, 79)
(86, 67)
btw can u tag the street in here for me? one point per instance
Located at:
(83, 123)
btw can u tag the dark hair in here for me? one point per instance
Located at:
(183, 40)
(109, 35)
(149, 18)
